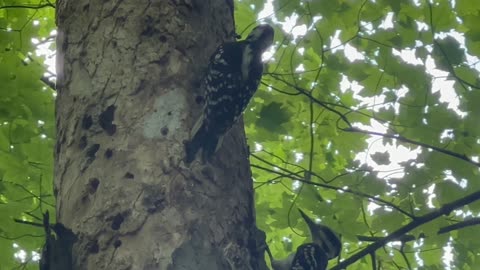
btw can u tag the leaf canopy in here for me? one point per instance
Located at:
(366, 119)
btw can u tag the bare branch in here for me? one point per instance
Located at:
(444, 210)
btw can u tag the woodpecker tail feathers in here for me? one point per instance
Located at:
(203, 140)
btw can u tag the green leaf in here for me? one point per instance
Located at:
(272, 116)
(381, 158)
(449, 51)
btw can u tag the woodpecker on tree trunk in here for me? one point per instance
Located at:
(233, 76)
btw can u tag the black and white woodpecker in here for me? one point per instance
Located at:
(233, 76)
(308, 256)
(315, 255)
(324, 237)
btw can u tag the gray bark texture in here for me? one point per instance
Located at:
(129, 78)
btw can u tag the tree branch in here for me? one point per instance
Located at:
(28, 6)
(403, 139)
(444, 210)
(346, 190)
(460, 225)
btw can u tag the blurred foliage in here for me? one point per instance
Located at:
(366, 119)
(27, 130)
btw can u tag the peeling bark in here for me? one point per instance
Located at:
(129, 76)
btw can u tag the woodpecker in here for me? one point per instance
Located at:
(313, 255)
(233, 76)
(324, 237)
(308, 256)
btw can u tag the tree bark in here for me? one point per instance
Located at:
(129, 81)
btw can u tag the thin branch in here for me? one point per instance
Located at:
(309, 95)
(460, 225)
(346, 190)
(29, 6)
(404, 256)
(35, 224)
(444, 54)
(444, 210)
(403, 139)
(408, 237)
(28, 191)
(46, 80)
(402, 238)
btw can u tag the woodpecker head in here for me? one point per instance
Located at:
(324, 237)
(261, 37)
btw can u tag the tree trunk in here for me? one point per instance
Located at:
(129, 77)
